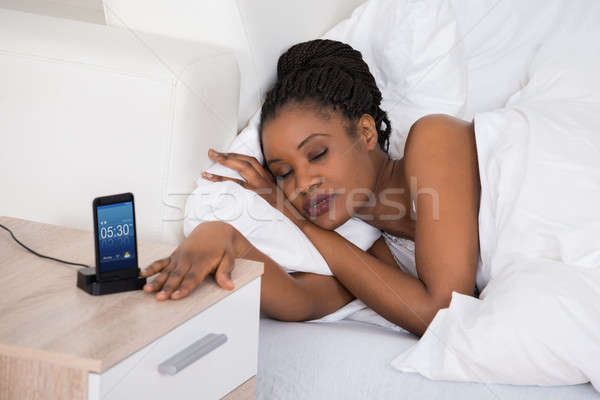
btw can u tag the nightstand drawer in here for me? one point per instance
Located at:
(227, 362)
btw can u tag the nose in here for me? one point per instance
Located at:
(307, 182)
(308, 190)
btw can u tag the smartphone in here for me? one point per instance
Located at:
(115, 237)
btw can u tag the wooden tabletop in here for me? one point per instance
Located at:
(44, 315)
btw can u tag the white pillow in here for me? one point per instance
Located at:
(500, 39)
(415, 54)
(537, 321)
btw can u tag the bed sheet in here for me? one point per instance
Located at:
(351, 360)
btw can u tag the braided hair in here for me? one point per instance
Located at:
(327, 74)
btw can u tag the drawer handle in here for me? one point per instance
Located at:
(190, 354)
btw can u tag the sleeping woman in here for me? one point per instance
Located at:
(325, 143)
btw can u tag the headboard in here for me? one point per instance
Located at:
(257, 30)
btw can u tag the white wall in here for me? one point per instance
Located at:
(83, 10)
(257, 30)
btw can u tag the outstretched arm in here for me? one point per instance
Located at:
(212, 247)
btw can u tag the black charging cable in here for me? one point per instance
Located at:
(41, 255)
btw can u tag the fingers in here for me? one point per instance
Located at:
(219, 178)
(189, 283)
(198, 272)
(193, 277)
(240, 163)
(176, 275)
(180, 277)
(155, 267)
(223, 272)
(254, 163)
(157, 283)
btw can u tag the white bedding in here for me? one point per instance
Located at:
(350, 360)
(538, 319)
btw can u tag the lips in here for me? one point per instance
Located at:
(315, 205)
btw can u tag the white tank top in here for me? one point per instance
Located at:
(403, 251)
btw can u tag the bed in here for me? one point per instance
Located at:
(350, 360)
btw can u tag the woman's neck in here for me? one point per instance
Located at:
(391, 209)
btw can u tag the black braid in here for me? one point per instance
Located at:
(329, 74)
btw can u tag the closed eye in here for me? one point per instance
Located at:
(319, 155)
(312, 159)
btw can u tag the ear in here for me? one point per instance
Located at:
(367, 131)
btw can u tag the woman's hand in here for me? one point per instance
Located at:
(209, 248)
(257, 179)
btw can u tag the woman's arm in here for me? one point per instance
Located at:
(397, 296)
(212, 247)
(381, 250)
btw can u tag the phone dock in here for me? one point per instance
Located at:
(86, 280)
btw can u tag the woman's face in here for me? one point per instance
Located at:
(326, 173)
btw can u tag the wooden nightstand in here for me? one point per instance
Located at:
(58, 342)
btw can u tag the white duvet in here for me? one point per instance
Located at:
(538, 319)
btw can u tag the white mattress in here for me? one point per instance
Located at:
(351, 360)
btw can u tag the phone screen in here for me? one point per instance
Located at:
(116, 237)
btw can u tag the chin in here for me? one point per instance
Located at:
(325, 221)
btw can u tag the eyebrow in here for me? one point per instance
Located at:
(302, 143)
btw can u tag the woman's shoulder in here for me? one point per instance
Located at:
(440, 143)
(440, 158)
(438, 134)
(440, 167)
